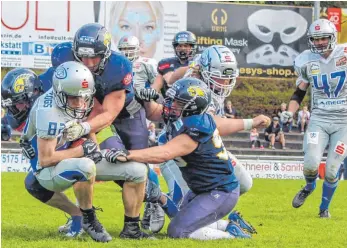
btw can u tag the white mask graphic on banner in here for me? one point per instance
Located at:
(263, 24)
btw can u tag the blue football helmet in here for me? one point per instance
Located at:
(92, 40)
(62, 53)
(184, 37)
(186, 97)
(19, 90)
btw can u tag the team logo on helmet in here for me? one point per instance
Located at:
(196, 91)
(19, 85)
(107, 38)
(60, 73)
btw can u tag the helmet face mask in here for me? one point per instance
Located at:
(218, 69)
(73, 88)
(184, 44)
(129, 46)
(322, 36)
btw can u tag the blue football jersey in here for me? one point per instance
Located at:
(209, 166)
(117, 75)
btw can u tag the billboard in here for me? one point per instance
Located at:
(154, 22)
(265, 39)
(30, 30)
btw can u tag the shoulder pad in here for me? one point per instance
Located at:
(199, 127)
(305, 57)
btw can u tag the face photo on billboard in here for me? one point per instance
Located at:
(145, 20)
(275, 30)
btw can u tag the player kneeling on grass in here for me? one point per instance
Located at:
(194, 140)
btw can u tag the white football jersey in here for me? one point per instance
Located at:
(328, 80)
(47, 121)
(145, 71)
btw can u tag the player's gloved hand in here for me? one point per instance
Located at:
(74, 130)
(96, 157)
(89, 147)
(115, 154)
(27, 149)
(148, 94)
(286, 116)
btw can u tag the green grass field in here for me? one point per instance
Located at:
(28, 223)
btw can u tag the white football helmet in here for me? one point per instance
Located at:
(319, 29)
(218, 68)
(129, 45)
(73, 79)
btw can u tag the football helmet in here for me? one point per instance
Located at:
(19, 90)
(73, 79)
(92, 40)
(184, 37)
(322, 28)
(62, 53)
(186, 97)
(218, 68)
(129, 46)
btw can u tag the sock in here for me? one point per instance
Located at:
(131, 219)
(76, 224)
(328, 192)
(310, 182)
(89, 212)
(207, 233)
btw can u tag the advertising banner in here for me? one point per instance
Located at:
(274, 169)
(265, 39)
(31, 29)
(14, 162)
(154, 22)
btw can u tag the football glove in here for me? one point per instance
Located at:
(286, 116)
(113, 155)
(89, 147)
(148, 94)
(96, 157)
(74, 130)
(27, 149)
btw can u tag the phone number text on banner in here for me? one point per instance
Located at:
(14, 162)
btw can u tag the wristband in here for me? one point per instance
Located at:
(247, 124)
(86, 128)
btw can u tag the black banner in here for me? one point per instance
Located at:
(265, 39)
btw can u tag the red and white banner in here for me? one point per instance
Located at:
(334, 15)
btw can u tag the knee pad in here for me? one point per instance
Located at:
(310, 173)
(87, 166)
(35, 189)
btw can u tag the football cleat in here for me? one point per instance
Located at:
(237, 218)
(324, 214)
(236, 231)
(93, 227)
(131, 230)
(153, 217)
(300, 197)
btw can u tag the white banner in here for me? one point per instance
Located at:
(274, 169)
(154, 22)
(30, 30)
(14, 162)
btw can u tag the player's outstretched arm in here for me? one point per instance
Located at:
(227, 126)
(177, 147)
(158, 83)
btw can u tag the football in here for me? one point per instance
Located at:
(77, 142)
